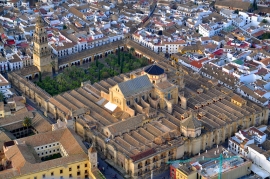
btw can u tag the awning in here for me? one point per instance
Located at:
(259, 171)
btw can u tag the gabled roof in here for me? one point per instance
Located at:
(191, 123)
(154, 70)
(136, 85)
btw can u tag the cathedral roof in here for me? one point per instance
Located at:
(154, 70)
(191, 123)
(136, 85)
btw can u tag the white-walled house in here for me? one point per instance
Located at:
(5, 87)
(211, 29)
(14, 62)
(239, 143)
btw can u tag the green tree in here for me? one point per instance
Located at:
(118, 53)
(132, 51)
(27, 122)
(266, 35)
(53, 67)
(39, 77)
(143, 61)
(2, 96)
(105, 74)
(264, 21)
(61, 79)
(98, 74)
(122, 65)
(96, 62)
(255, 7)
(136, 65)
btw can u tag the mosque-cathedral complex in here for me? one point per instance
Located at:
(141, 120)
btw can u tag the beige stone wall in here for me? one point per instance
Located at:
(105, 95)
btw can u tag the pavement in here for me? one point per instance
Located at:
(107, 170)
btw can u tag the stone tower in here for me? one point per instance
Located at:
(92, 154)
(44, 60)
(180, 77)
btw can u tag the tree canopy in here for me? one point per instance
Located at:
(71, 77)
(27, 122)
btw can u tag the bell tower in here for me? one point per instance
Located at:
(44, 60)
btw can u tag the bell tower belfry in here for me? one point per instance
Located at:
(180, 77)
(43, 58)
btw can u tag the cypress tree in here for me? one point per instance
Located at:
(96, 62)
(122, 65)
(39, 77)
(98, 74)
(255, 5)
(118, 51)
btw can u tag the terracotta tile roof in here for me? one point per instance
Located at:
(143, 154)
(25, 160)
(130, 123)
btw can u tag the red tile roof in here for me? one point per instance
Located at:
(198, 64)
(257, 34)
(143, 154)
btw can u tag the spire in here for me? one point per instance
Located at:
(40, 21)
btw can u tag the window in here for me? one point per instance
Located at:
(61, 171)
(85, 165)
(70, 169)
(35, 177)
(78, 167)
(43, 176)
(78, 173)
(70, 175)
(85, 171)
(51, 173)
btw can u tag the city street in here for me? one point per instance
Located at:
(109, 172)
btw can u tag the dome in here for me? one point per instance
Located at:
(154, 70)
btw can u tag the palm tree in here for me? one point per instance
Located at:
(27, 122)
(61, 79)
(132, 51)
